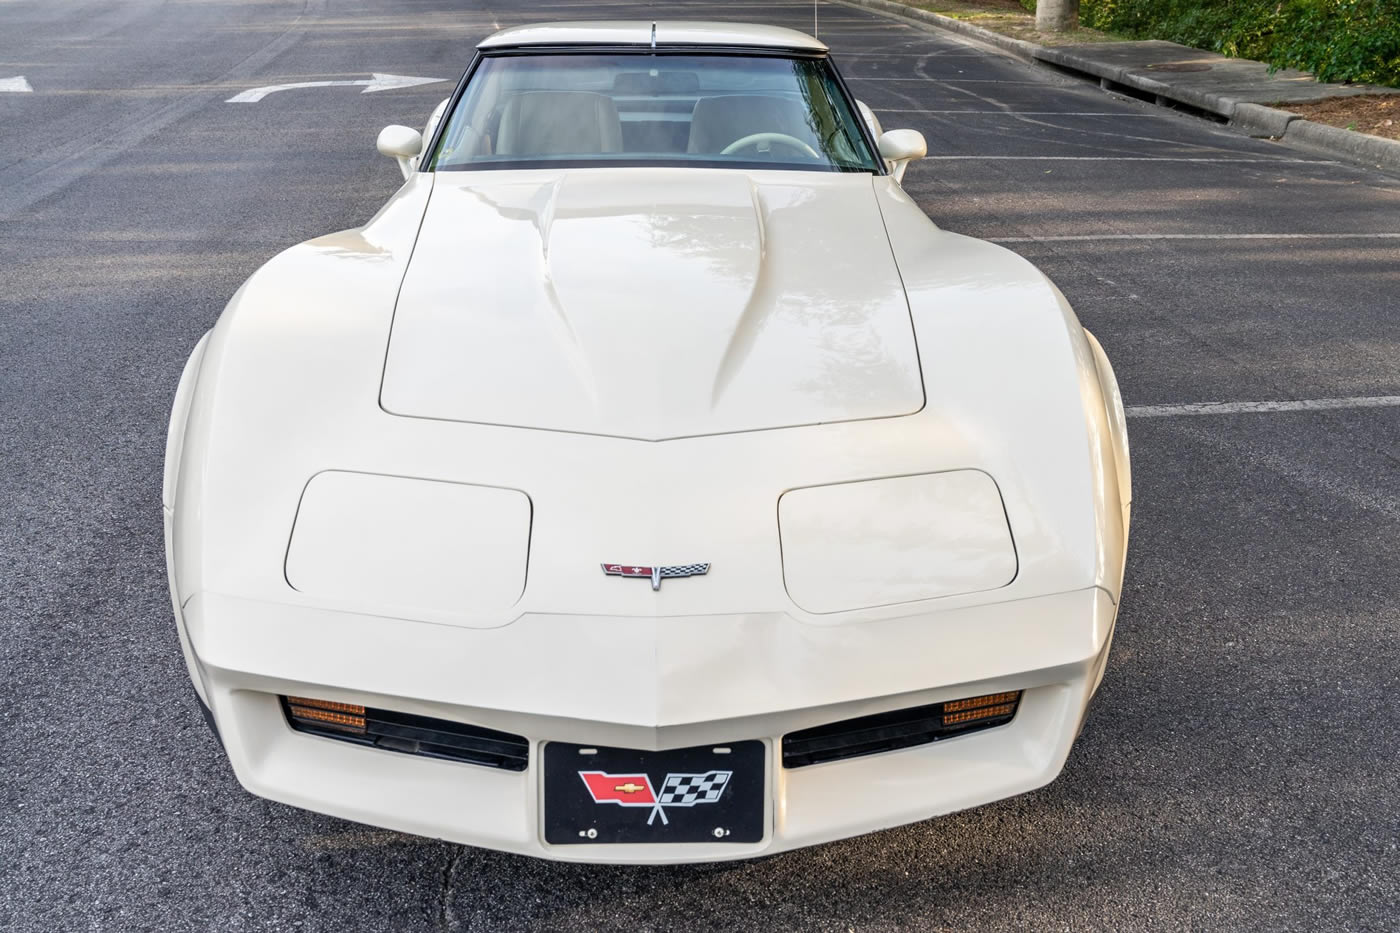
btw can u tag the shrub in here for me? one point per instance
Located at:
(1343, 40)
(1337, 40)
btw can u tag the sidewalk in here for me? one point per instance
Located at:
(1236, 91)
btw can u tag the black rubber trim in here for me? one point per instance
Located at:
(426, 737)
(865, 131)
(430, 147)
(208, 715)
(631, 162)
(882, 732)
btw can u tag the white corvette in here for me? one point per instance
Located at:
(651, 293)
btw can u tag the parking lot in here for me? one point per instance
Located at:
(1238, 769)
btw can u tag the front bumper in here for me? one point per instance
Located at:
(646, 684)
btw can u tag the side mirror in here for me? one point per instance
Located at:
(403, 144)
(900, 147)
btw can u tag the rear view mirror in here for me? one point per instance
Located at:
(900, 147)
(403, 144)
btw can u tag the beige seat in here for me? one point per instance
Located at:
(719, 121)
(559, 123)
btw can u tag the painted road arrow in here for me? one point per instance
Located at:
(378, 82)
(15, 85)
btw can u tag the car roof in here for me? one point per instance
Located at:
(667, 34)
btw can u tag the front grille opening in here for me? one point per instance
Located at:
(904, 728)
(407, 733)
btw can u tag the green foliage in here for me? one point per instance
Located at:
(1337, 40)
(1028, 4)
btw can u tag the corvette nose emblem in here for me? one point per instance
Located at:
(657, 574)
(677, 790)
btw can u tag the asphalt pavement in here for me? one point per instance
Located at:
(1238, 769)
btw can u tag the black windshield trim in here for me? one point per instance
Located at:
(430, 146)
(497, 165)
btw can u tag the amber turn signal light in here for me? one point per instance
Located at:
(975, 709)
(347, 716)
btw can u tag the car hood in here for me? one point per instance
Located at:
(652, 303)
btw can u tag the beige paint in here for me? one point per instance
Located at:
(652, 303)
(895, 540)
(400, 546)
(639, 32)
(287, 387)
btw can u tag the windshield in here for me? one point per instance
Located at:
(653, 108)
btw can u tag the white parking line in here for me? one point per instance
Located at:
(1234, 408)
(1056, 158)
(1090, 237)
(942, 52)
(1037, 113)
(941, 80)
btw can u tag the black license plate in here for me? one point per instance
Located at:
(710, 793)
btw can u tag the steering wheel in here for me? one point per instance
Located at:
(753, 139)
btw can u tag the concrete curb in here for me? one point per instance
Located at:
(1253, 119)
(1114, 77)
(1260, 121)
(1330, 140)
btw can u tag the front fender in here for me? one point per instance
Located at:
(1003, 353)
(179, 415)
(174, 449)
(1117, 421)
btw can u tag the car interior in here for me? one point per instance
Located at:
(583, 122)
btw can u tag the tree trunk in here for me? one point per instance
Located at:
(1056, 15)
